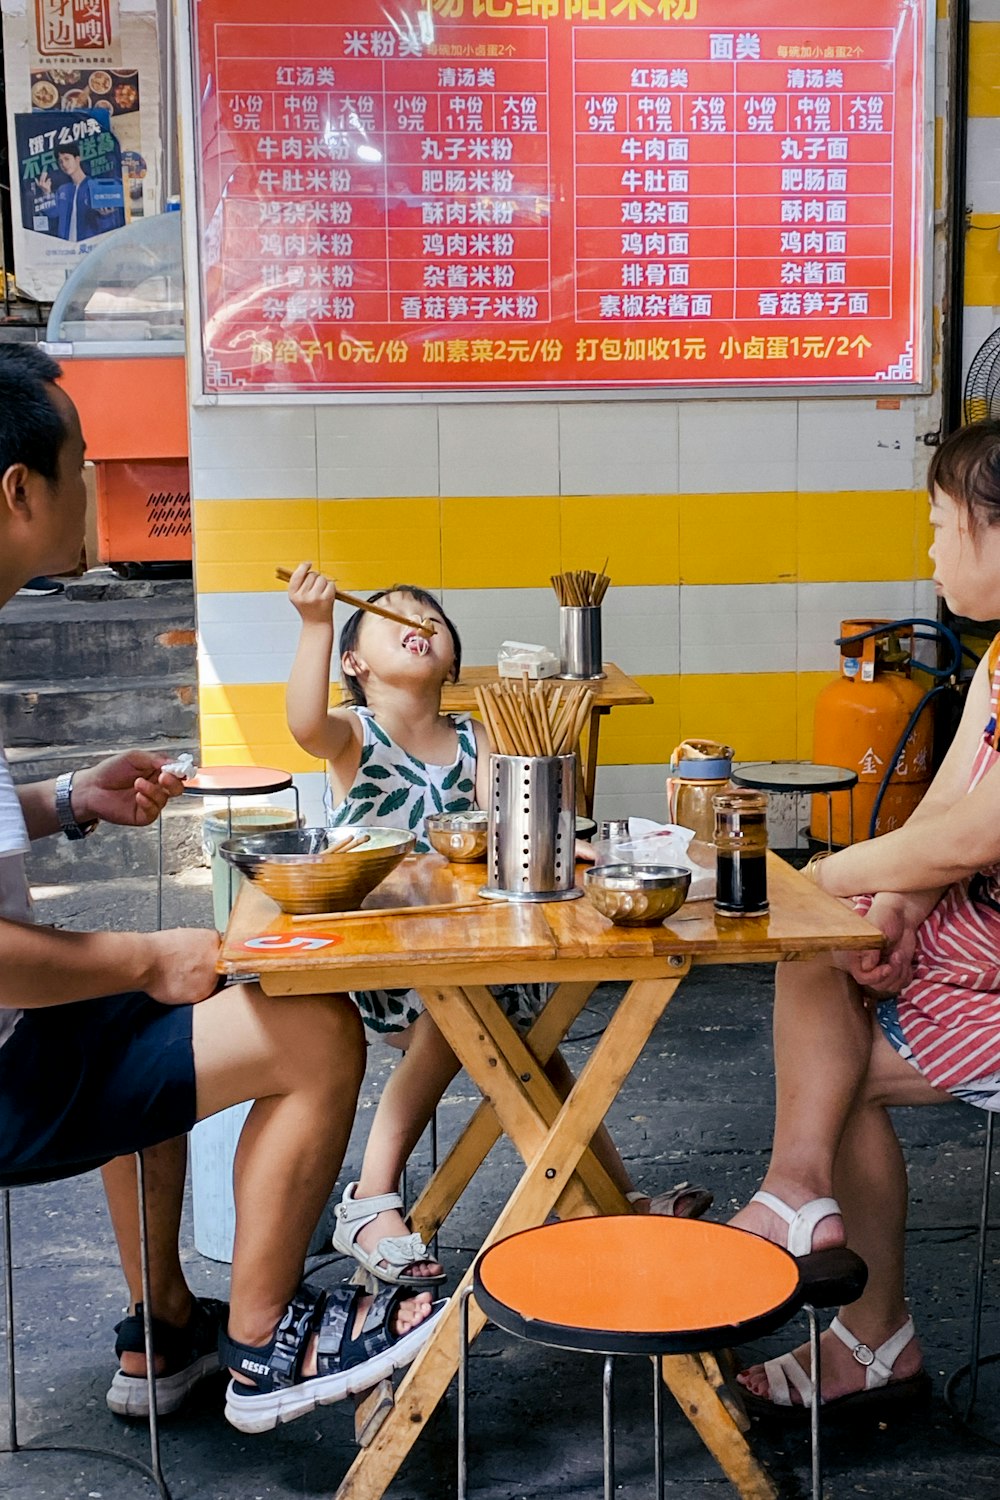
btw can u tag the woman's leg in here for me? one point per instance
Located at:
(822, 1048)
(869, 1182)
(408, 1101)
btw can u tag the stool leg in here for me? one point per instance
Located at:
(657, 1428)
(8, 1302)
(829, 821)
(814, 1405)
(147, 1329)
(434, 1166)
(977, 1297)
(609, 1428)
(463, 1394)
(850, 815)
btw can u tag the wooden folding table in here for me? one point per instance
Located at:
(450, 959)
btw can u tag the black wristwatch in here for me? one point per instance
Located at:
(64, 809)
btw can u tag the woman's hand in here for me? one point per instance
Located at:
(313, 595)
(584, 853)
(129, 789)
(888, 972)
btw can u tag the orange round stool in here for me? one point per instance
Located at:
(649, 1285)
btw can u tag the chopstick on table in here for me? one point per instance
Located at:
(426, 627)
(443, 908)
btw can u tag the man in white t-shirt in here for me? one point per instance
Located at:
(112, 1042)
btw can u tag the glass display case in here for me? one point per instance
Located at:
(126, 298)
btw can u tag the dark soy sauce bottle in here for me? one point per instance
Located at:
(741, 853)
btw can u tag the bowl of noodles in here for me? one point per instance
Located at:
(302, 870)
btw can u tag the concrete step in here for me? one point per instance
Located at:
(114, 710)
(63, 638)
(113, 853)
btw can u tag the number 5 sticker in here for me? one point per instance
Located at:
(290, 942)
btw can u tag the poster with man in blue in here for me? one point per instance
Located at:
(70, 170)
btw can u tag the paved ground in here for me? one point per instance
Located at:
(697, 1105)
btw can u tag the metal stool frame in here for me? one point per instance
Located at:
(754, 775)
(963, 1412)
(152, 1471)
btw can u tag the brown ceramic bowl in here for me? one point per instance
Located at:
(637, 895)
(297, 869)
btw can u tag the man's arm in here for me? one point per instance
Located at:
(129, 789)
(42, 966)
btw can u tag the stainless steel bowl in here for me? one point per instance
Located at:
(459, 836)
(299, 870)
(637, 895)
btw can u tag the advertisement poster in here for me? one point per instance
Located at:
(83, 90)
(70, 171)
(583, 194)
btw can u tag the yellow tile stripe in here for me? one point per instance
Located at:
(984, 68)
(764, 715)
(503, 541)
(982, 258)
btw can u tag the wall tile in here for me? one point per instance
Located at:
(499, 450)
(377, 450)
(620, 448)
(738, 629)
(271, 436)
(856, 445)
(736, 446)
(638, 533)
(499, 541)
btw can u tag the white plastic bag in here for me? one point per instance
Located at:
(652, 843)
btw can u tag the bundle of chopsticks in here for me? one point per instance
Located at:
(581, 588)
(533, 718)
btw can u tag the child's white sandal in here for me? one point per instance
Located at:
(392, 1254)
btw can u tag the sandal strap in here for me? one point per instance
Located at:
(782, 1370)
(402, 1250)
(801, 1221)
(361, 1211)
(175, 1346)
(878, 1362)
(375, 1336)
(278, 1363)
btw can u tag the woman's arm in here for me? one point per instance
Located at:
(951, 835)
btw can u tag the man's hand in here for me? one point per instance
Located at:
(888, 972)
(313, 595)
(128, 789)
(182, 965)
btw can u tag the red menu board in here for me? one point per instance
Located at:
(484, 195)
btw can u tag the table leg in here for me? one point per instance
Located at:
(593, 739)
(483, 1131)
(546, 1177)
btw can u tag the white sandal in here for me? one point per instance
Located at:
(393, 1254)
(802, 1221)
(879, 1388)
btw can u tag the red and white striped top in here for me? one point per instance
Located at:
(950, 1010)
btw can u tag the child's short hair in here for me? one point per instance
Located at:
(967, 467)
(349, 635)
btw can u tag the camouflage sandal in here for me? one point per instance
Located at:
(346, 1363)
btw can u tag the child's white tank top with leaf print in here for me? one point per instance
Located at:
(394, 789)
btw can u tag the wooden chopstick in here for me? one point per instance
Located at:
(353, 842)
(426, 627)
(391, 911)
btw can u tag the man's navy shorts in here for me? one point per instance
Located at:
(82, 1083)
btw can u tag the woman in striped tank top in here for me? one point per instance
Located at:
(918, 1023)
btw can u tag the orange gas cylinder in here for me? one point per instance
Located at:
(860, 718)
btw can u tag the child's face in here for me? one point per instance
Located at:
(394, 654)
(966, 564)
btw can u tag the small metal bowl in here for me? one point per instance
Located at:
(637, 895)
(299, 870)
(459, 836)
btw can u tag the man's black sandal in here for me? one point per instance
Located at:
(191, 1354)
(345, 1363)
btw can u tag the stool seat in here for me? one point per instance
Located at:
(638, 1284)
(794, 776)
(237, 781)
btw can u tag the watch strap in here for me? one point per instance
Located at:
(64, 809)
